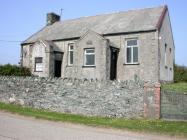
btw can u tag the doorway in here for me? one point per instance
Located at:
(58, 65)
(113, 64)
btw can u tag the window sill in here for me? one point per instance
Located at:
(88, 66)
(131, 64)
(69, 65)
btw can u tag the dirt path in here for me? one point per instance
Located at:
(16, 127)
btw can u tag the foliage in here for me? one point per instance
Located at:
(180, 73)
(13, 70)
(158, 126)
(178, 87)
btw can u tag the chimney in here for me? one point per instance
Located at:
(52, 18)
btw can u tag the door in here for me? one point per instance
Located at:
(58, 65)
(113, 65)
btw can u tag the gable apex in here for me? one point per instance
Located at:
(91, 32)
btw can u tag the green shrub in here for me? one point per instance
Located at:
(13, 70)
(180, 73)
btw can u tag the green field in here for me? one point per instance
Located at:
(180, 87)
(178, 128)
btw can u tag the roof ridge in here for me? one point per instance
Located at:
(116, 22)
(117, 12)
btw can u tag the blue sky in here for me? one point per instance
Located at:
(22, 18)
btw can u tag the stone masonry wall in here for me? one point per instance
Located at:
(147, 68)
(92, 98)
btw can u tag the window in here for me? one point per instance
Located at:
(38, 64)
(70, 54)
(165, 55)
(89, 59)
(132, 51)
(170, 50)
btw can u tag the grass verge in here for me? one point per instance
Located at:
(177, 128)
(180, 87)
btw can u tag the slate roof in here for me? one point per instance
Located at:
(120, 22)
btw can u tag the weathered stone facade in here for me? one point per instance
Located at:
(166, 60)
(155, 60)
(147, 68)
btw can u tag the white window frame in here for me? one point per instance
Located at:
(69, 51)
(131, 47)
(85, 54)
(38, 65)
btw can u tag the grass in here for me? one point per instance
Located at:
(178, 128)
(180, 87)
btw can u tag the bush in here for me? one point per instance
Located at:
(13, 70)
(180, 73)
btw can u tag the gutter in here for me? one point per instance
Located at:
(107, 34)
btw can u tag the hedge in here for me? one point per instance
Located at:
(180, 73)
(14, 70)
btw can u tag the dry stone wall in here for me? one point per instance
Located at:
(87, 97)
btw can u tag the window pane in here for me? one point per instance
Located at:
(89, 50)
(90, 59)
(128, 55)
(71, 47)
(165, 54)
(38, 60)
(131, 42)
(39, 67)
(71, 57)
(135, 54)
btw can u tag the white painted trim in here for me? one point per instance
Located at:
(127, 39)
(88, 54)
(70, 50)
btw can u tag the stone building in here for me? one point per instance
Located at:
(122, 45)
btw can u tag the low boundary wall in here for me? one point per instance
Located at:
(128, 99)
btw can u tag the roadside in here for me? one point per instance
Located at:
(172, 128)
(13, 126)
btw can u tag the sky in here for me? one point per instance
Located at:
(21, 18)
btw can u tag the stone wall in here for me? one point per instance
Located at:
(166, 66)
(92, 98)
(147, 69)
(173, 105)
(91, 40)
